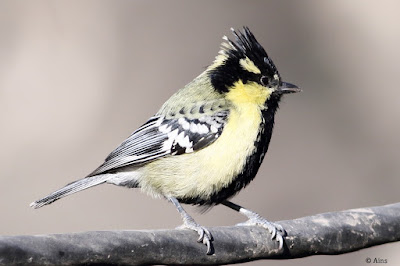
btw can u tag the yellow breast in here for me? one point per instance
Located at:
(206, 171)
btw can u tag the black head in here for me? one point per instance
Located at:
(246, 60)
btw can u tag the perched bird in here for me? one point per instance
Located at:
(206, 142)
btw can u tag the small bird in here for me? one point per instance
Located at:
(206, 142)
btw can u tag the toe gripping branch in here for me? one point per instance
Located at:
(205, 236)
(276, 230)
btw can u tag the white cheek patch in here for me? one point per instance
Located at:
(249, 65)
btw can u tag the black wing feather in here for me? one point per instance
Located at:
(160, 137)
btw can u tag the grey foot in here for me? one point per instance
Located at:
(276, 230)
(205, 236)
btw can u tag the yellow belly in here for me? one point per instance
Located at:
(206, 171)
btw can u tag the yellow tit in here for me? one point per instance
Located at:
(206, 142)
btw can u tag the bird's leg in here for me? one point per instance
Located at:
(205, 236)
(276, 230)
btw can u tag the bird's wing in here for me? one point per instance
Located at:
(161, 136)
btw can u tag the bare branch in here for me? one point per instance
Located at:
(328, 233)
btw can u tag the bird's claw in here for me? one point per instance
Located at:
(205, 236)
(203, 232)
(276, 230)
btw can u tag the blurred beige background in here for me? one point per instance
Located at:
(77, 77)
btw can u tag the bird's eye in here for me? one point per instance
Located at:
(264, 80)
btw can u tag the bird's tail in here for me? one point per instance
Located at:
(71, 189)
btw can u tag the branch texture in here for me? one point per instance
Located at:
(327, 233)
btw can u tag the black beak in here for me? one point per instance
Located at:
(287, 88)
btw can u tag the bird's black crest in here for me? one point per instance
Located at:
(226, 69)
